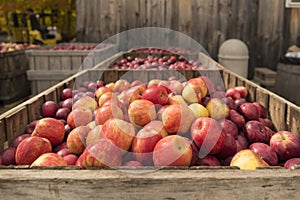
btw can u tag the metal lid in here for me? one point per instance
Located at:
(234, 49)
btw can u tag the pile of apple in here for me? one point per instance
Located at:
(7, 47)
(170, 50)
(152, 62)
(159, 123)
(77, 47)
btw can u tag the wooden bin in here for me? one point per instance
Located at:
(287, 82)
(47, 67)
(166, 183)
(13, 81)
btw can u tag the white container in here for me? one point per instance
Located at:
(234, 55)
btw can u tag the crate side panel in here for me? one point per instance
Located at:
(277, 110)
(3, 137)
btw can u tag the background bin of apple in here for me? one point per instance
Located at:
(159, 123)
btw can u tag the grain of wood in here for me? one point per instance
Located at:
(277, 109)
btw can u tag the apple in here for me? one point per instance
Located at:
(79, 117)
(229, 127)
(143, 145)
(195, 90)
(63, 152)
(175, 87)
(209, 84)
(199, 110)
(285, 144)
(85, 102)
(18, 139)
(120, 132)
(177, 119)
(292, 163)
(66, 93)
(102, 90)
(136, 83)
(249, 111)
(141, 112)
(76, 139)
(241, 142)
(108, 112)
(59, 147)
(67, 103)
(153, 82)
(229, 148)
(134, 93)
(94, 135)
(8, 156)
(255, 131)
(239, 102)
(160, 111)
(50, 128)
(233, 93)
(70, 159)
(267, 122)
(229, 102)
(261, 109)
(101, 153)
(237, 118)
(207, 133)
(49, 159)
(247, 160)
(227, 161)
(265, 152)
(49, 109)
(173, 150)
(133, 163)
(30, 149)
(62, 113)
(176, 99)
(242, 90)
(156, 94)
(157, 126)
(121, 85)
(110, 85)
(30, 127)
(209, 160)
(217, 109)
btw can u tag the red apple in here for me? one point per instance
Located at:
(143, 145)
(63, 152)
(285, 144)
(237, 118)
(49, 109)
(59, 147)
(101, 153)
(177, 119)
(229, 128)
(30, 127)
(249, 111)
(176, 99)
(208, 135)
(49, 159)
(101, 90)
(255, 131)
(292, 163)
(173, 150)
(31, 148)
(267, 122)
(233, 93)
(120, 132)
(265, 152)
(156, 94)
(242, 90)
(94, 135)
(62, 113)
(175, 87)
(18, 139)
(261, 109)
(108, 112)
(66, 93)
(141, 112)
(85, 102)
(209, 160)
(67, 103)
(195, 90)
(76, 139)
(133, 163)
(160, 111)
(134, 93)
(8, 156)
(79, 117)
(229, 148)
(121, 85)
(239, 102)
(70, 159)
(50, 128)
(241, 142)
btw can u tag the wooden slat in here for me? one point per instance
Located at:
(262, 96)
(34, 108)
(293, 119)
(2, 134)
(16, 124)
(277, 109)
(251, 90)
(232, 80)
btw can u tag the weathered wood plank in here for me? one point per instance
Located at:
(293, 119)
(2, 134)
(170, 184)
(277, 109)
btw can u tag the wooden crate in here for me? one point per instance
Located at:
(166, 183)
(48, 67)
(13, 81)
(265, 77)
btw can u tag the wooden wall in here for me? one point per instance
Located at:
(266, 26)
